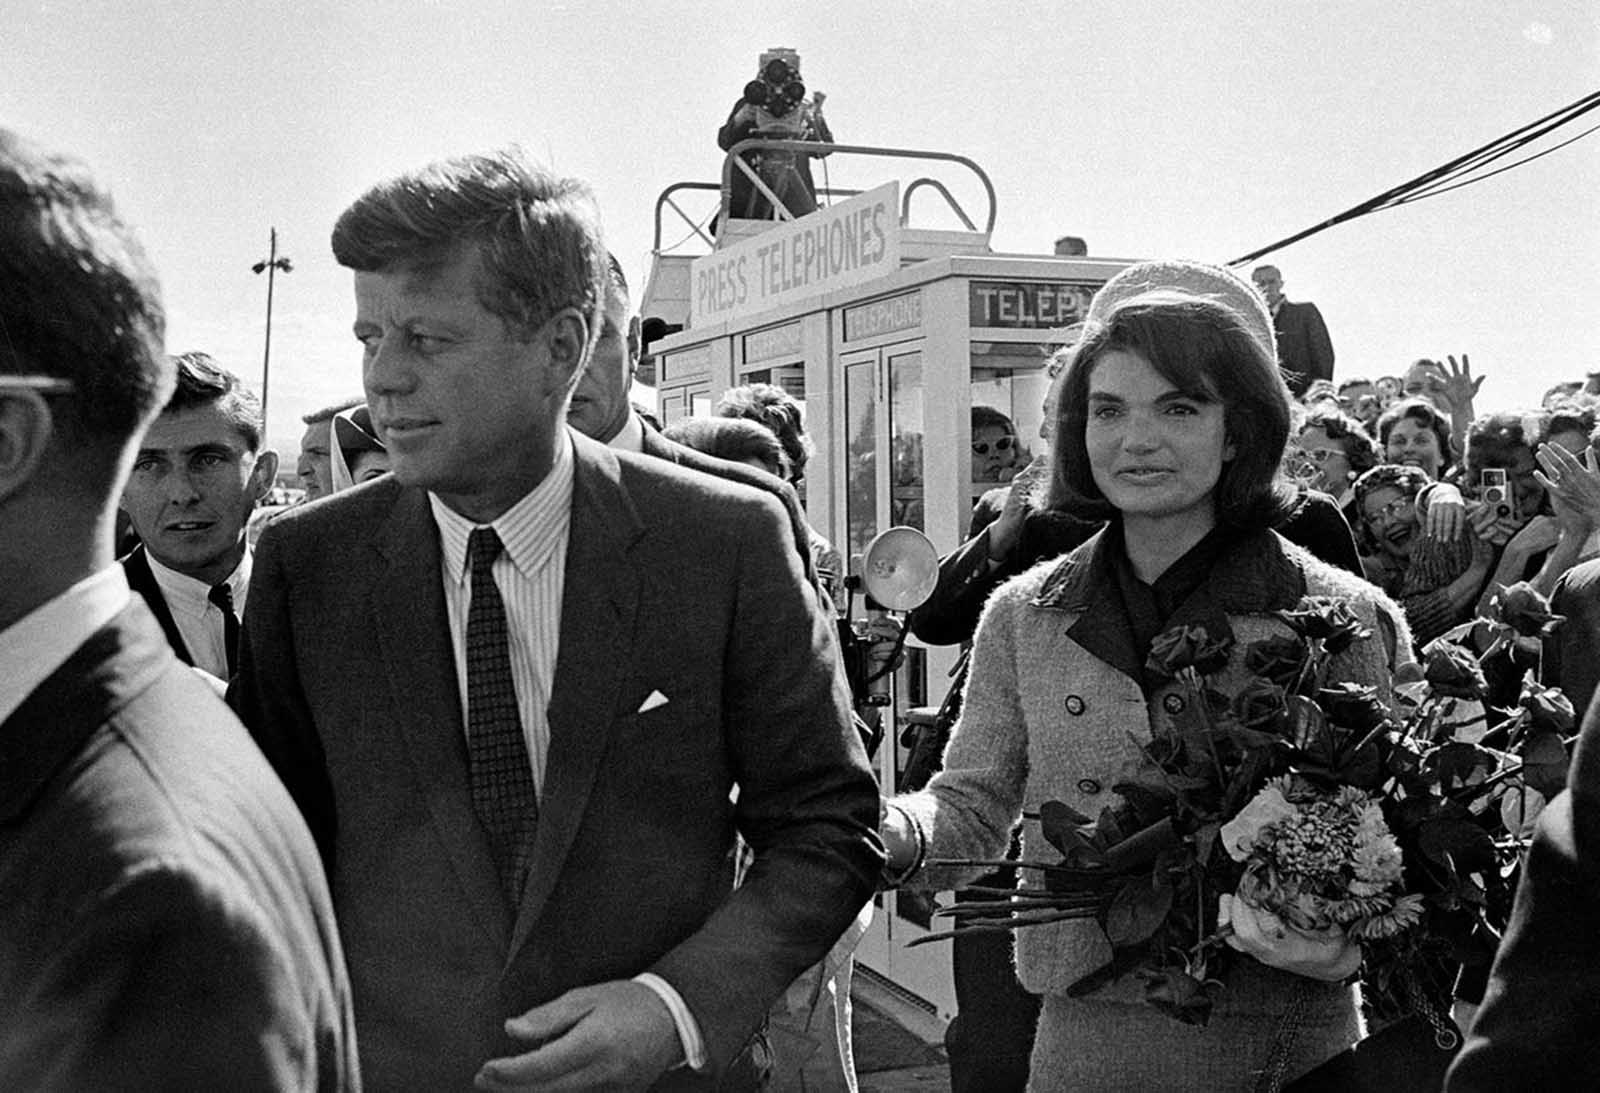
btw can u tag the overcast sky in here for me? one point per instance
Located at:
(1150, 129)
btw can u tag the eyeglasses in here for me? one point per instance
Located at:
(1397, 509)
(1004, 444)
(1319, 456)
(45, 385)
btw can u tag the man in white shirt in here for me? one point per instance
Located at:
(198, 475)
(165, 924)
(513, 684)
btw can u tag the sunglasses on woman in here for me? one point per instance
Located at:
(1003, 444)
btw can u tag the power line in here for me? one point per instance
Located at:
(1450, 175)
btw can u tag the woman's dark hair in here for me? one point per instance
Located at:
(776, 409)
(987, 417)
(1496, 438)
(1203, 349)
(1423, 413)
(1568, 416)
(732, 438)
(1359, 447)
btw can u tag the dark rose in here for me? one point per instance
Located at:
(1354, 707)
(1452, 671)
(1260, 706)
(1192, 646)
(1178, 994)
(1547, 708)
(1328, 619)
(1521, 607)
(1278, 659)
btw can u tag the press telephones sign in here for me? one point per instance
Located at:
(1028, 305)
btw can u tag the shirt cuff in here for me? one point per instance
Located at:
(694, 1047)
(893, 878)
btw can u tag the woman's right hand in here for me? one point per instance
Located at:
(1329, 955)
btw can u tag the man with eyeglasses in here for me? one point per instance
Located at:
(197, 477)
(166, 924)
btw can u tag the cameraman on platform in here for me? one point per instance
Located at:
(774, 106)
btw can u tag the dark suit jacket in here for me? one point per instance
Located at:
(676, 582)
(136, 565)
(1537, 1025)
(1572, 652)
(165, 923)
(659, 446)
(1305, 352)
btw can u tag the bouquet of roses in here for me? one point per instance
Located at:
(1316, 802)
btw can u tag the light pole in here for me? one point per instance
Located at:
(272, 264)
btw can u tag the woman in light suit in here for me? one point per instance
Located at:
(1172, 423)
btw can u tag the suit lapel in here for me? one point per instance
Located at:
(143, 581)
(599, 603)
(424, 699)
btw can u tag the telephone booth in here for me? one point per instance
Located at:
(894, 359)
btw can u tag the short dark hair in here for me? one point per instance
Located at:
(204, 382)
(732, 438)
(987, 417)
(1498, 437)
(1359, 448)
(1203, 349)
(537, 234)
(326, 413)
(1568, 416)
(1427, 415)
(776, 409)
(79, 299)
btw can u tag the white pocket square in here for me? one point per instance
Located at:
(656, 699)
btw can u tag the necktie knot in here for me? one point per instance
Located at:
(483, 547)
(222, 596)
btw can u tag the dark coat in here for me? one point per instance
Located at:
(165, 923)
(1305, 352)
(676, 582)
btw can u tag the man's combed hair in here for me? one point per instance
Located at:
(203, 382)
(1204, 349)
(79, 300)
(537, 234)
(326, 413)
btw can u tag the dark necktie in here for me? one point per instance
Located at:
(502, 776)
(222, 596)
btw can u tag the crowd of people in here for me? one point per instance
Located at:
(525, 754)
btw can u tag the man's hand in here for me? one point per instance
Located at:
(1007, 528)
(613, 1036)
(1459, 386)
(1446, 512)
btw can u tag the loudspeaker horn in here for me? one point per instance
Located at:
(900, 568)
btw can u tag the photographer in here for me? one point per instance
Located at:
(774, 105)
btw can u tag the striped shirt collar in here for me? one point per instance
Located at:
(529, 530)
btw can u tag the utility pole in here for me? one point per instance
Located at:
(272, 264)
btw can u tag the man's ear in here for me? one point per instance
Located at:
(264, 474)
(26, 426)
(635, 344)
(566, 337)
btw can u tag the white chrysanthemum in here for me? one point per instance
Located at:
(1241, 834)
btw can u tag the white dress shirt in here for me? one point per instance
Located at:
(630, 438)
(34, 646)
(531, 576)
(200, 622)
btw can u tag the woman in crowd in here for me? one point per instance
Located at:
(356, 454)
(1414, 433)
(1172, 422)
(1336, 450)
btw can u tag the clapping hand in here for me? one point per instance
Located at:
(617, 1036)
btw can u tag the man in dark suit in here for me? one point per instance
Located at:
(601, 410)
(165, 924)
(1305, 352)
(1535, 1029)
(199, 474)
(514, 685)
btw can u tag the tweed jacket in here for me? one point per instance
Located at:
(1055, 710)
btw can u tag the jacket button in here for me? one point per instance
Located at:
(1075, 705)
(1088, 785)
(1173, 703)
